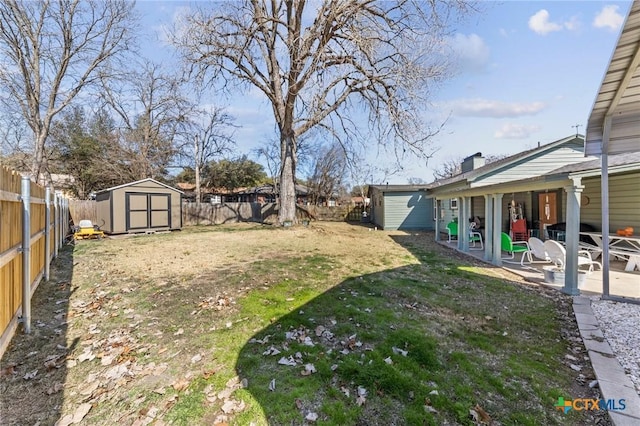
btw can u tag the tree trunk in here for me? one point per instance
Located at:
(37, 165)
(197, 172)
(287, 208)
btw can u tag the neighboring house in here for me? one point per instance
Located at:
(257, 194)
(401, 207)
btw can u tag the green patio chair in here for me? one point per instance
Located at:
(452, 230)
(512, 247)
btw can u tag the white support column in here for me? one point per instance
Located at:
(572, 235)
(497, 229)
(436, 206)
(488, 227)
(604, 193)
(460, 243)
(463, 224)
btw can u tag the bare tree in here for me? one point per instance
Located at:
(211, 138)
(270, 152)
(152, 111)
(329, 167)
(51, 50)
(452, 166)
(320, 64)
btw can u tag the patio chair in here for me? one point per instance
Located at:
(513, 247)
(452, 230)
(558, 255)
(536, 250)
(475, 237)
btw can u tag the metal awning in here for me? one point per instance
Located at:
(619, 97)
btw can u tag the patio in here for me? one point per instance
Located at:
(621, 283)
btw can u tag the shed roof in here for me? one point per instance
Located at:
(619, 95)
(138, 182)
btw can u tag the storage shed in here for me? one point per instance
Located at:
(401, 207)
(143, 206)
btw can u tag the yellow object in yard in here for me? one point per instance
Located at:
(86, 230)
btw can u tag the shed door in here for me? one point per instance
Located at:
(148, 211)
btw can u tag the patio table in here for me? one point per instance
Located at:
(624, 247)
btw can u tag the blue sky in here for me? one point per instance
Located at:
(528, 73)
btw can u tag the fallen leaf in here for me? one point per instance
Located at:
(479, 415)
(360, 400)
(399, 351)
(196, 358)
(81, 412)
(208, 373)
(30, 375)
(55, 388)
(271, 351)
(311, 417)
(287, 361)
(388, 360)
(8, 371)
(179, 332)
(180, 385)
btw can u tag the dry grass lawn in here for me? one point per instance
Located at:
(188, 328)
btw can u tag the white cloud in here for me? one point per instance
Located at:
(515, 131)
(471, 52)
(540, 23)
(495, 109)
(608, 18)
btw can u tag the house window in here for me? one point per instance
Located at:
(453, 203)
(435, 210)
(216, 199)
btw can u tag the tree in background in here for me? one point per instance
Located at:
(328, 175)
(452, 166)
(233, 174)
(211, 135)
(50, 51)
(76, 152)
(153, 117)
(321, 64)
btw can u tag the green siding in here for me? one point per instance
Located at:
(624, 202)
(408, 211)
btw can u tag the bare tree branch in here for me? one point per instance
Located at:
(52, 50)
(318, 62)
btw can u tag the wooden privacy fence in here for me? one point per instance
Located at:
(33, 225)
(215, 214)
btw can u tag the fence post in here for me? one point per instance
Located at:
(26, 254)
(56, 229)
(47, 232)
(65, 219)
